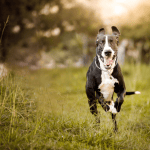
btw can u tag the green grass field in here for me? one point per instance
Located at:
(48, 110)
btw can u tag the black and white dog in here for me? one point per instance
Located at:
(104, 76)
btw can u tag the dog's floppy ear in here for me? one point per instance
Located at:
(101, 31)
(115, 31)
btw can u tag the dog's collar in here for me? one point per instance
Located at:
(100, 57)
(105, 69)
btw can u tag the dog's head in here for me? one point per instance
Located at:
(107, 47)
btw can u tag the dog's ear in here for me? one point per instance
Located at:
(101, 31)
(115, 31)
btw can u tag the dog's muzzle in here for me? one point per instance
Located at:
(109, 61)
(107, 53)
(109, 58)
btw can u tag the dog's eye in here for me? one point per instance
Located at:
(102, 42)
(110, 41)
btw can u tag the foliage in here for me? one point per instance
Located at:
(136, 24)
(48, 109)
(136, 27)
(37, 25)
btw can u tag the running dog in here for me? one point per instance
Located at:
(104, 76)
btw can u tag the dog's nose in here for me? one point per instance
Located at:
(108, 53)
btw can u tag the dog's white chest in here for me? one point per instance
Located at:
(107, 86)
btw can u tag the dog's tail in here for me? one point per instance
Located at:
(131, 93)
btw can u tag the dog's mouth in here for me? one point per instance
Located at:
(109, 62)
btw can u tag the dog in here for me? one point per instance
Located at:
(104, 76)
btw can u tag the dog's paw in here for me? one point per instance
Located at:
(112, 109)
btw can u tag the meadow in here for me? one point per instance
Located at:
(48, 110)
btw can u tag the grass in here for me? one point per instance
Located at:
(48, 110)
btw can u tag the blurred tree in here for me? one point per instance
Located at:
(35, 25)
(20, 12)
(136, 27)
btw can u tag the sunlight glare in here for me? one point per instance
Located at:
(118, 10)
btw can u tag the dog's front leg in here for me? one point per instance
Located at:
(119, 101)
(103, 103)
(92, 102)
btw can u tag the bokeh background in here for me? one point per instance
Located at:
(60, 33)
(46, 47)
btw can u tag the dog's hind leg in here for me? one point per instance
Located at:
(115, 122)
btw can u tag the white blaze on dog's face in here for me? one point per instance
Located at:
(107, 47)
